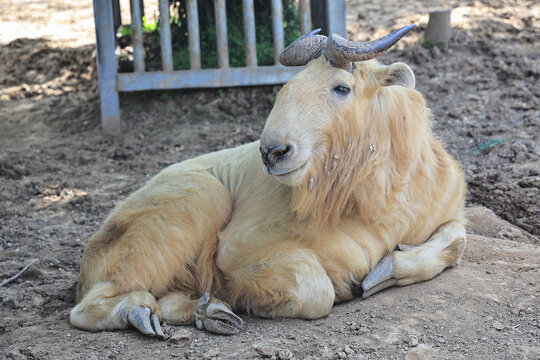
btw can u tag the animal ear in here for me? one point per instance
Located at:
(400, 74)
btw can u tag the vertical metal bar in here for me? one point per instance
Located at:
(304, 8)
(165, 36)
(193, 34)
(249, 33)
(137, 36)
(336, 17)
(106, 64)
(277, 28)
(221, 30)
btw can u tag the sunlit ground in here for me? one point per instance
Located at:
(71, 22)
(63, 22)
(365, 22)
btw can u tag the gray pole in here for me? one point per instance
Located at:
(106, 64)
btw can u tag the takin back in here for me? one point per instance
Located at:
(347, 192)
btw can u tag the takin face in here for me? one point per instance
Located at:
(322, 106)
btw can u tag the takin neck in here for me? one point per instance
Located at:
(366, 171)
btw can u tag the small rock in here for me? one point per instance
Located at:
(529, 182)
(265, 350)
(497, 325)
(30, 76)
(341, 355)
(180, 337)
(285, 354)
(324, 352)
(211, 353)
(413, 341)
(435, 52)
(348, 350)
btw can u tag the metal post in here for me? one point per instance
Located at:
(304, 8)
(221, 33)
(165, 36)
(137, 36)
(193, 34)
(277, 28)
(106, 63)
(249, 33)
(336, 17)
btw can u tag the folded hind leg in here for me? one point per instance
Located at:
(283, 280)
(418, 263)
(164, 232)
(207, 313)
(103, 309)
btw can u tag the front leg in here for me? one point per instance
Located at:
(412, 264)
(283, 281)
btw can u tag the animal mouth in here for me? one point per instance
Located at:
(284, 172)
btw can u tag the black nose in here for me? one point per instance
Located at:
(274, 154)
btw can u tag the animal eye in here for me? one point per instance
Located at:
(342, 90)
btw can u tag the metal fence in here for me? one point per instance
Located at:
(111, 82)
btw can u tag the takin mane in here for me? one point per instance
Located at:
(354, 194)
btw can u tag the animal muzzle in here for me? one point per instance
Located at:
(275, 154)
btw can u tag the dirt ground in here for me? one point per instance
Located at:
(59, 177)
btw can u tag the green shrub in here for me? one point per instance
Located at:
(235, 30)
(147, 27)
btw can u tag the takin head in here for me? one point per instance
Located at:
(341, 115)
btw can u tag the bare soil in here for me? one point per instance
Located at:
(59, 178)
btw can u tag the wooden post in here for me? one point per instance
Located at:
(439, 30)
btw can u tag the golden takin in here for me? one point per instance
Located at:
(347, 192)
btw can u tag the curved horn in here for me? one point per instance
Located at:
(341, 52)
(303, 49)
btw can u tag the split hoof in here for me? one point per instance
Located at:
(380, 278)
(216, 317)
(143, 320)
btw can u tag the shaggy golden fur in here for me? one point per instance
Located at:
(289, 245)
